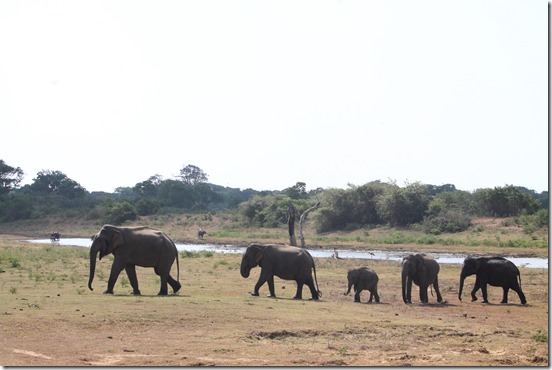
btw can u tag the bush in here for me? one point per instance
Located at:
(447, 221)
(118, 212)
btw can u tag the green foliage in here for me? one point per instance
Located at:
(297, 191)
(532, 222)
(504, 202)
(146, 207)
(192, 175)
(350, 209)
(449, 221)
(541, 336)
(10, 177)
(13, 208)
(118, 212)
(404, 206)
(270, 210)
(198, 254)
(57, 182)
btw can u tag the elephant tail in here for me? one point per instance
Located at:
(431, 290)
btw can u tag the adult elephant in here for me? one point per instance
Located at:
(285, 262)
(363, 278)
(423, 271)
(495, 271)
(131, 247)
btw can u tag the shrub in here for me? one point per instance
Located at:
(118, 212)
(447, 221)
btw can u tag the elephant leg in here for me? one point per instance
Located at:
(270, 281)
(409, 291)
(371, 297)
(357, 296)
(436, 287)
(505, 294)
(258, 286)
(314, 292)
(131, 273)
(423, 294)
(116, 269)
(164, 277)
(484, 292)
(299, 292)
(518, 290)
(476, 287)
(175, 285)
(376, 295)
(357, 292)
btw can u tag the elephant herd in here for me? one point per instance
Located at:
(146, 247)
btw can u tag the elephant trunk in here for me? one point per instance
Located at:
(406, 286)
(462, 278)
(244, 268)
(93, 253)
(349, 287)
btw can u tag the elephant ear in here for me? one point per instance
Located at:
(116, 241)
(113, 239)
(420, 264)
(258, 254)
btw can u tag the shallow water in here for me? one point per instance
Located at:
(529, 262)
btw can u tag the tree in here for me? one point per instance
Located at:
(148, 188)
(297, 191)
(10, 177)
(404, 206)
(56, 182)
(192, 175)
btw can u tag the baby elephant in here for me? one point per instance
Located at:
(363, 278)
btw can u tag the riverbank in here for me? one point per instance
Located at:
(497, 236)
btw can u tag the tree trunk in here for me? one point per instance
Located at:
(291, 226)
(302, 220)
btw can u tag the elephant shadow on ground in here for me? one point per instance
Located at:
(437, 305)
(149, 295)
(288, 299)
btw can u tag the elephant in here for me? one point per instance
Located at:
(200, 233)
(285, 262)
(131, 247)
(363, 278)
(495, 271)
(423, 271)
(55, 236)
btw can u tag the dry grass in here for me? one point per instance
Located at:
(50, 318)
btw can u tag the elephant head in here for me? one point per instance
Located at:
(413, 269)
(352, 279)
(252, 257)
(105, 242)
(471, 266)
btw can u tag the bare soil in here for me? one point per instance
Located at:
(48, 317)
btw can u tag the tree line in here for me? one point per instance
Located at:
(436, 208)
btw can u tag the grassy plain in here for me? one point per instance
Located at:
(50, 318)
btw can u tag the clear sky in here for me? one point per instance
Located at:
(264, 94)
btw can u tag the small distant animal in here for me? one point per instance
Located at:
(200, 233)
(55, 236)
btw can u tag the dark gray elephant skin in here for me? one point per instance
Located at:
(131, 247)
(363, 278)
(422, 271)
(494, 271)
(285, 262)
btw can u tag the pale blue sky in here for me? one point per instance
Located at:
(263, 94)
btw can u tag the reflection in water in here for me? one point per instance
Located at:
(529, 262)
